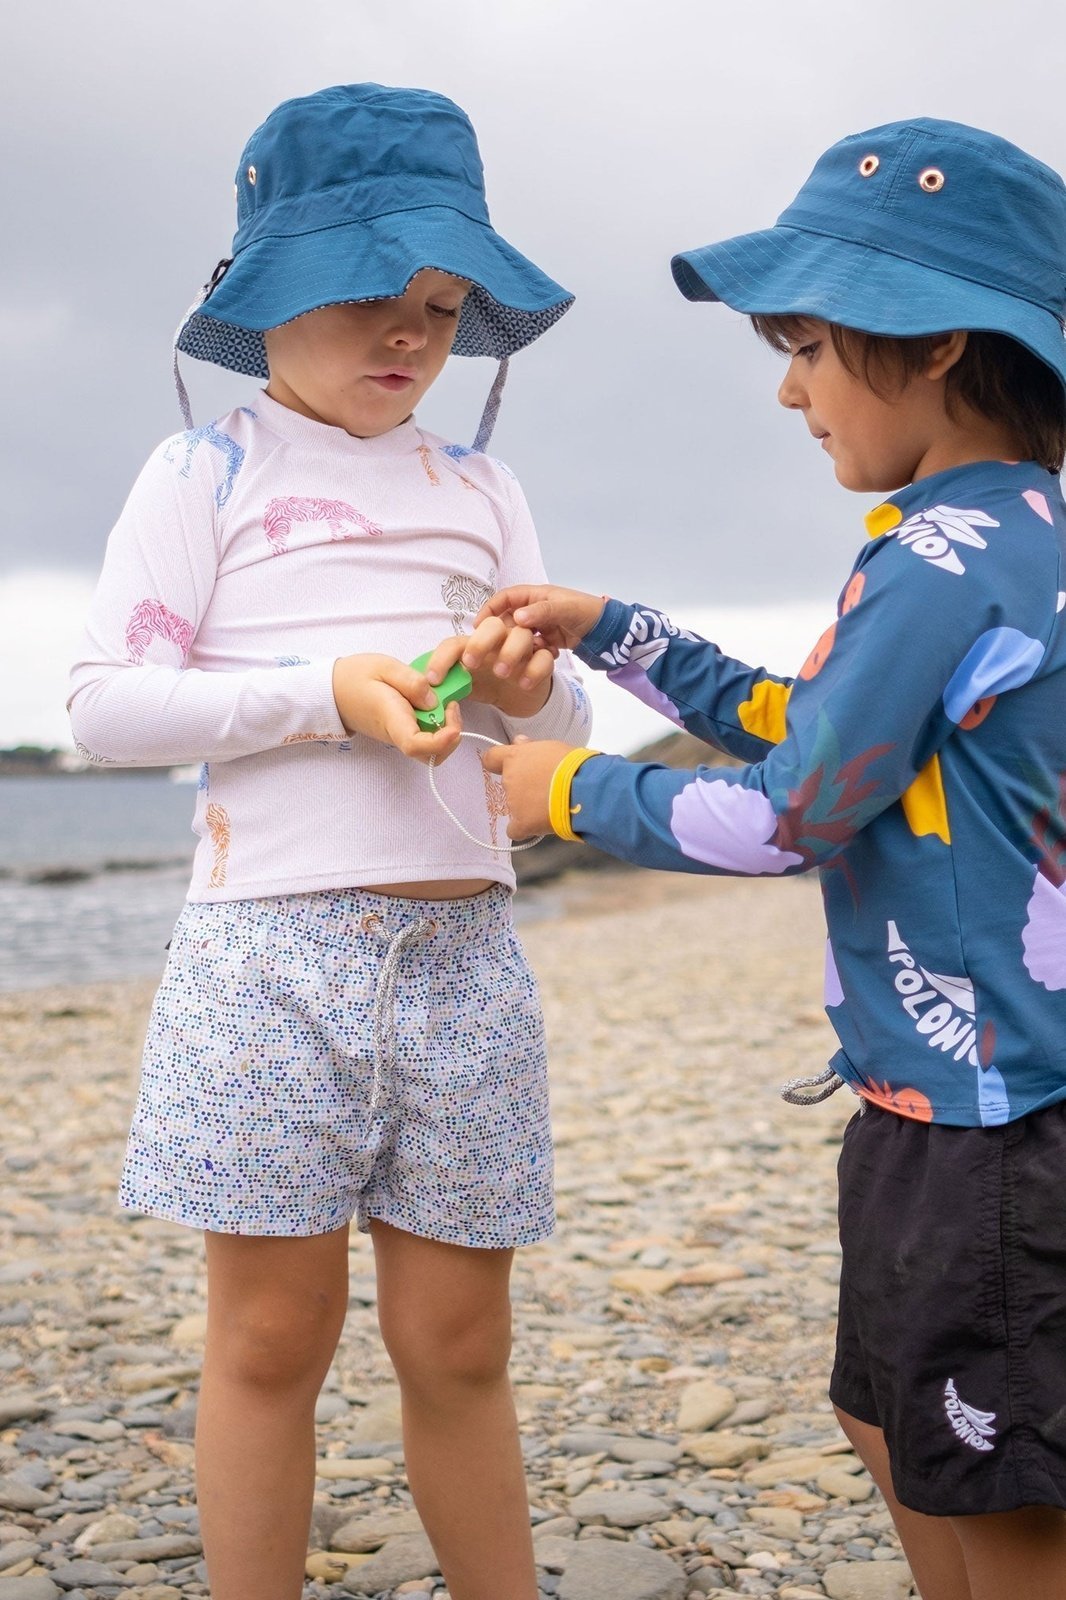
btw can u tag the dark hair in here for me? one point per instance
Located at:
(995, 376)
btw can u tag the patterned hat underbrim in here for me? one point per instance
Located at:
(486, 328)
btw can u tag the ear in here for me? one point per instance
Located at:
(947, 351)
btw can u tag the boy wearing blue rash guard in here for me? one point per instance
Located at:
(919, 762)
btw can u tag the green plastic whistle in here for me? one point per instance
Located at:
(456, 686)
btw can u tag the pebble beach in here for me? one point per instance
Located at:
(672, 1341)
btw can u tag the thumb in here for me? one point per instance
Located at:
(406, 681)
(493, 759)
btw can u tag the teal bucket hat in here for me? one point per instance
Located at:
(912, 228)
(345, 195)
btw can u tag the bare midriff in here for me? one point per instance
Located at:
(450, 889)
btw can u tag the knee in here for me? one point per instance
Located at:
(276, 1345)
(458, 1349)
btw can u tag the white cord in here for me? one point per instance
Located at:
(500, 849)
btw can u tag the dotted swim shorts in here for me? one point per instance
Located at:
(313, 1058)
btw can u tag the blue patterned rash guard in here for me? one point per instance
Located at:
(918, 761)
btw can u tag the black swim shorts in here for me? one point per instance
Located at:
(952, 1333)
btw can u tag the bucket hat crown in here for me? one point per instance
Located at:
(343, 196)
(911, 228)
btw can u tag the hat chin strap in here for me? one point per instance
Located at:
(492, 408)
(179, 382)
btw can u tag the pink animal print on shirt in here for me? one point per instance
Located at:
(342, 520)
(217, 819)
(496, 800)
(151, 619)
(428, 467)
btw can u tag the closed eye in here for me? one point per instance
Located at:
(445, 311)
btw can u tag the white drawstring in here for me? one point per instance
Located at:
(384, 1024)
(827, 1083)
(500, 849)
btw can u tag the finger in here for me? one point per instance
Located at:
(444, 657)
(504, 602)
(485, 640)
(493, 760)
(538, 669)
(414, 686)
(515, 651)
(537, 615)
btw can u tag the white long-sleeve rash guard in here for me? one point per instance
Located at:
(251, 554)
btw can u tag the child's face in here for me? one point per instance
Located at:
(876, 444)
(364, 367)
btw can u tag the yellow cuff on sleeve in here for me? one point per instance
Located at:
(559, 808)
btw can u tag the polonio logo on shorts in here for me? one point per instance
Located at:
(973, 1427)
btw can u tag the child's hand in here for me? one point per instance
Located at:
(510, 666)
(376, 696)
(527, 768)
(558, 617)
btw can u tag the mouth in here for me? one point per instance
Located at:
(394, 380)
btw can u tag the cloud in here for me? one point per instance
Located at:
(644, 429)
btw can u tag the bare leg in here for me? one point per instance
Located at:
(446, 1320)
(275, 1308)
(929, 1543)
(1015, 1555)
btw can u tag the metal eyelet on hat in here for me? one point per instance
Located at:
(251, 176)
(931, 180)
(868, 166)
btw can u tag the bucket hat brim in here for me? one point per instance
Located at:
(278, 278)
(786, 271)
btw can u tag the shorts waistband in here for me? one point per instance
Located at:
(339, 917)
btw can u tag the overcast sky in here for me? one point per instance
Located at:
(644, 428)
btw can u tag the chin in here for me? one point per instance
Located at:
(868, 482)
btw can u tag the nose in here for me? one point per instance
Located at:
(408, 328)
(792, 392)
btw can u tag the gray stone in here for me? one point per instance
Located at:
(180, 1422)
(98, 1487)
(370, 1531)
(601, 1569)
(644, 1450)
(21, 1408)
(556, 1527)
(331, 1407)
(17, 1495)
(867, 1580)
(29, 1588)
(380, 1418)
(588, 1443)
(72, 1574)
(400, 1560)
(16, 1550)
(21, 1271)
(553, 1554)
(703, 1404)
(168, 1547)
(38, 1474)
(620, 1508)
